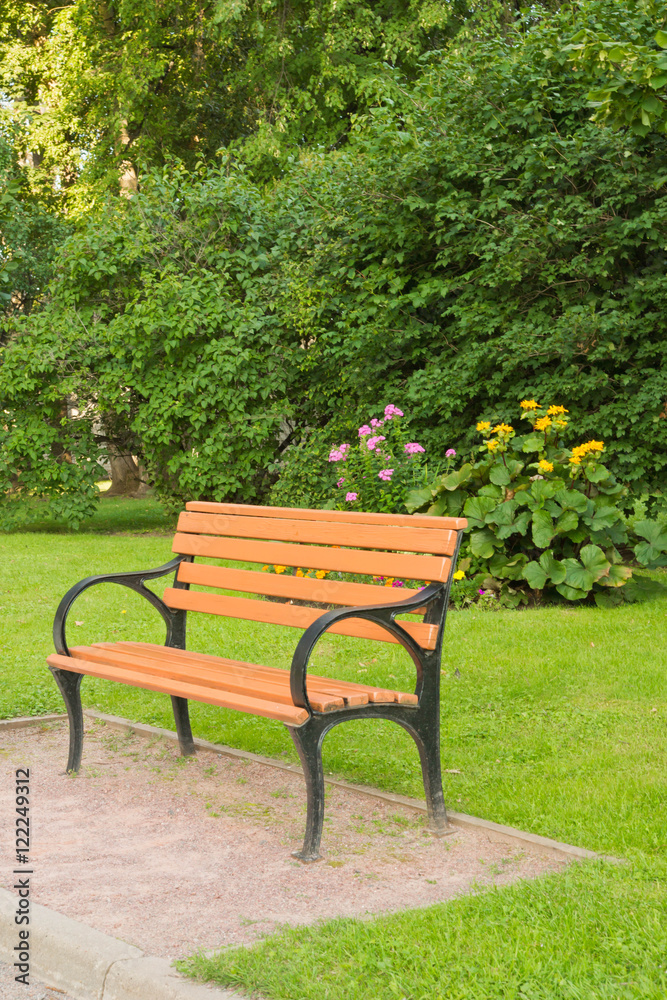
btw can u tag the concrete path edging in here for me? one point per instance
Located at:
(90, 965)
(494, 831)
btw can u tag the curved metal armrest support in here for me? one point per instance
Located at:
(135, 581)
(381, 614)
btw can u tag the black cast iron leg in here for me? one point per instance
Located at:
(308, 742)
(427, 738)
(69, 685)
(182, 720)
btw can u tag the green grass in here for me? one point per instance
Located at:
(557, 720)
(114, 514)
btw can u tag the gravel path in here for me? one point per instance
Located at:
(175, 855)
(11, 990)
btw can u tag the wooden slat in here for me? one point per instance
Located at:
(342, 516)
(250, 683)
(281, 585)
(290, 715)
(314, 681)
(290, 614)
(440, 541)
(407, 567)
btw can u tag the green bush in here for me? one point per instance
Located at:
(545, 518)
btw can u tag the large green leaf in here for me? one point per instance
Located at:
(608, 598)
(567, 521)
(476, 509)
(650, 552)
(596, 473)
(416, 499)
(617, 576)
(518, 525)
(577, 576)
(508, 569)
(543, 529)
(571, 593)
(452, 480)
(503, 514)
(499, 475)
(542, 489)
(552, 567)
(601, 517)
(491, 491)
(642, 588)
(595, 561)
(533, 443)
(481, 543)
(535, 575)
(572, 499)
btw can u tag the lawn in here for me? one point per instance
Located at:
(556, 719)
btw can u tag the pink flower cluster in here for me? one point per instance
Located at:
(376, 423)
(385, 474)
(339, 454)
(392, 411)
(350, 497)
(412, 448)
(372, 443)
(450, 453)
(340, 481)
(364, 431)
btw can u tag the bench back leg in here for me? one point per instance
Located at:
(425, 731)
(183, 729)
(308, 741)
(69, 685)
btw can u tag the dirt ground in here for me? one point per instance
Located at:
(175, 855)
(11, 990)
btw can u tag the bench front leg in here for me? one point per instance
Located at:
(69, 685)
(308, 741)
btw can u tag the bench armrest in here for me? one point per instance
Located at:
(135, 581)
(381, 614)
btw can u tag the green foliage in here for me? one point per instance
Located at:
(106, 90)
(545, 517)
(160, 338)
(624, 62)
(477, 239)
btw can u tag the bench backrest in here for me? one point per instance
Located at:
(416, 547)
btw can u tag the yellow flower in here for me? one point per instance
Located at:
(483, 425)
(529, 404)
(575, 460)
(492, 445)
(389, 581)
(554, 411)
(545, 466)
(542, 424)
(280, 569)
(459, 575)
(300, 572)
(594, 446)
(502, 429)
(321, 573)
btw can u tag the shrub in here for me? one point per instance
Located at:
(545, 518)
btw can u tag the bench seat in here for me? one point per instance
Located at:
(247, 687)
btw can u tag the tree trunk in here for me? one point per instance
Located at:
(125, 475)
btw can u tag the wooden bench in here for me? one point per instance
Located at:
(413, 548)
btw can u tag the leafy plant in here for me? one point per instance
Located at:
(543, 517)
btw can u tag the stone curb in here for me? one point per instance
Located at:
(35, 720)
(90, 965)
(494, 831)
